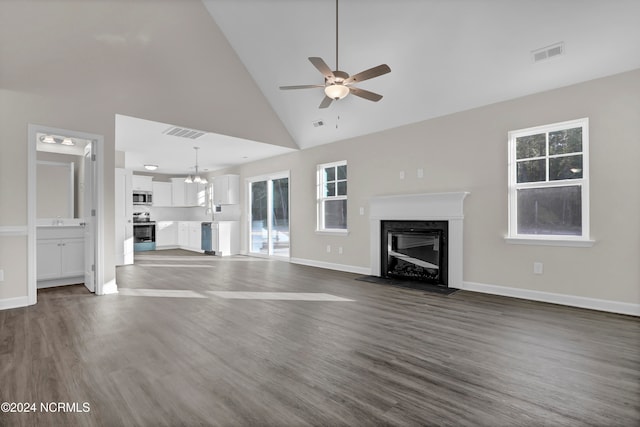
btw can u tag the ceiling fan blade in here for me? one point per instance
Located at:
(368, 74)
(323, 68)
(325, 102)
(300, 87)
(371, 96)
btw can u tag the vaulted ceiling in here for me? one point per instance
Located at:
(216, 65)
(445, 56)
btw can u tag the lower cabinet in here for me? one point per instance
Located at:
(60, 261)
(225, 238)
(166, 234)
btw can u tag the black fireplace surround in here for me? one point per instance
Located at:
(415, 251)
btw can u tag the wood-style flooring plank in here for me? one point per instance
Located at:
(393, 356)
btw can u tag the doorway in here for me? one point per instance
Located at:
(269, 231)
(69, 241)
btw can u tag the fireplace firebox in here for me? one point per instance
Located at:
(415, 251)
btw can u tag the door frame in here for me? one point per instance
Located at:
(266, 177)
(98, 185)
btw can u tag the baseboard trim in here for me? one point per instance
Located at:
(332, 266)
(562, 299)
(109, 288)
(13, 230)
(17, 302)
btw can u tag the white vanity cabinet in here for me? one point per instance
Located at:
(226, 190)
(60, 256)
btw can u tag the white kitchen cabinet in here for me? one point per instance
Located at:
(184, 194)
(183, 234)
(142, 183)
(225, 237)
(226, 190)
(162, 194)
(189, 235)
(60, 256)
(166, 234)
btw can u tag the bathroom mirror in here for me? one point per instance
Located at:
(60, 177)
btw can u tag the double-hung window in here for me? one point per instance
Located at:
(549, 183)
(332, 197)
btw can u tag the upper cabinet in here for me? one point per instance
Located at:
(226, 190)
(185, 195)
(162, 194)
(142, 183)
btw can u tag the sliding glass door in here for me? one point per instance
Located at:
(269, 215)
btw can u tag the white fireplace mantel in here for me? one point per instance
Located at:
(421, 207)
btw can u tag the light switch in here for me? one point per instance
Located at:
(420, 172)
(401, 174)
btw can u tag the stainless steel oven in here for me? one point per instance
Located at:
(144, 236)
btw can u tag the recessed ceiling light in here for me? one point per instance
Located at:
(47, 139)
(67, 141)
(151, 167)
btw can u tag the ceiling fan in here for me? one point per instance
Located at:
(338, 84)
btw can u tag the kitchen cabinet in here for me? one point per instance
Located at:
(225, 237)
(189, 235)
(184, 194)
(226, 190)
(60, 256)
(166, 234)
(162, 194)
(142, 183)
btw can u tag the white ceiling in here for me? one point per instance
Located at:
(145, 142)
(445, 56)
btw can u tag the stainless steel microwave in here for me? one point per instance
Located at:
(142, 197)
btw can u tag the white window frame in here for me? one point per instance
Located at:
(514, 186)
(320, 225)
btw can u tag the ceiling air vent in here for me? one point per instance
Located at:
(184, 133)
(548, 52)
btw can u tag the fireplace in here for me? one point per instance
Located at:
(433, 217)
(415, 251)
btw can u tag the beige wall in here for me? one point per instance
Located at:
(468, 152)
(75, 65)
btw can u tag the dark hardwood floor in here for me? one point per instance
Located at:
(391, 356)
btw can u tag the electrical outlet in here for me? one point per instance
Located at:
(361, 210)
(340, 250)
(401, 174)
(537, 268)
(328, 248)
(1, 275)
(420, 172)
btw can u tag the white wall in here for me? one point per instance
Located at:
(468, 152)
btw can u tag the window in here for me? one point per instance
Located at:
(549, 183)
(332, 197)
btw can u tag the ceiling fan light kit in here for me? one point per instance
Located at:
(337, 84)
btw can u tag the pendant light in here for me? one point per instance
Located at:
(196, 178)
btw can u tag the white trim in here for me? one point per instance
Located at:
(583, 183)
(332, 266)
(110, 288)
(98, 145)
(320, 198)
(9, 303)
(13, 230)
(333, 232)
(421, 207)
(562, 299)
(550, 242)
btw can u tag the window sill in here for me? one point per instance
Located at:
(542, 241)
(333, 232)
